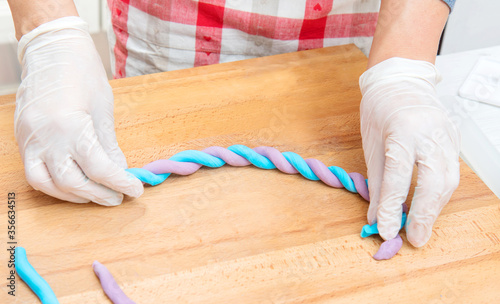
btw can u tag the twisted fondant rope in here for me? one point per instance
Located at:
(189, 161)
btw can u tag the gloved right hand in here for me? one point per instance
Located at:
(403, 124)
(64, 122)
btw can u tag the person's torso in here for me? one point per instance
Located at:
(162, 35)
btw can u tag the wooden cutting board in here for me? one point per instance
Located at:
(246, 235)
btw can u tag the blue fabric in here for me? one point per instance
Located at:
(450, 3)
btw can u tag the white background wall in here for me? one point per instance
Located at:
(473, 24)
(96, 14)
(9, 68)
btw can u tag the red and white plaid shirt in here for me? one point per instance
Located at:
(152, 36)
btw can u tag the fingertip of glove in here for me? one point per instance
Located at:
(137, 191)
(388, 234)
(136, 188)
(109, 203)
(112, 200)
(80, 200)
(388, 229)
(371, 216)
(418, 234)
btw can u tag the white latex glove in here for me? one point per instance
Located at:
(403, 123)
(64, 122)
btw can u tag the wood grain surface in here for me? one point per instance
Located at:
(246, 235)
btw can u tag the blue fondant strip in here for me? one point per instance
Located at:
(373, 229)
(29, 275)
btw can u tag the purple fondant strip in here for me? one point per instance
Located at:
(109, 285)
(388, 249)
(322, 171)
(405, 208)
(229, 157)
(360, 184)
(277, 159)
(170, 166)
